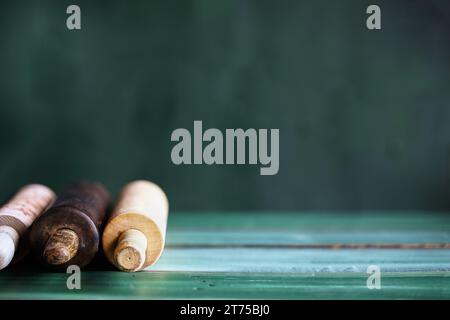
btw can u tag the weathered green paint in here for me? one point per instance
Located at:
(186, 285)
(207, 257)
(322, 221)
(301, 260)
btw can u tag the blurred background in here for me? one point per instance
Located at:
(364, 116)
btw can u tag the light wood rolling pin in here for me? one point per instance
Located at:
(17, 215)
(135, 234)
(69, 232)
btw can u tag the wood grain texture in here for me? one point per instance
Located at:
(197, 265)
(61, 247)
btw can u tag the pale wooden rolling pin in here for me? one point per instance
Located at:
(17, 215)
(135, 233)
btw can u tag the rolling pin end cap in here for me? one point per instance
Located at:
(130, 252)
(7, 249)
(129, 259)
(57, 256)
(61, 247)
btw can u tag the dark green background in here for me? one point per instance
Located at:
(364, 116)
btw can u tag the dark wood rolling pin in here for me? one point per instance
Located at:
(69, 232)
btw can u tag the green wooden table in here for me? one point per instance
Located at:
(273, 255)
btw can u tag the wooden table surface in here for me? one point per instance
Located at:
(273, 255)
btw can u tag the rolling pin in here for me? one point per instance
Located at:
(17, 215)
(135, 233)
(69, 232)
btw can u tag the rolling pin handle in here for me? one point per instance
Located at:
(130, 250)
(7, 249)
(61, 247)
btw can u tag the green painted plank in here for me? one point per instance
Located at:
(184, 285)
(180, 237)
(312, 221)
(281, 228)
(309, 261)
